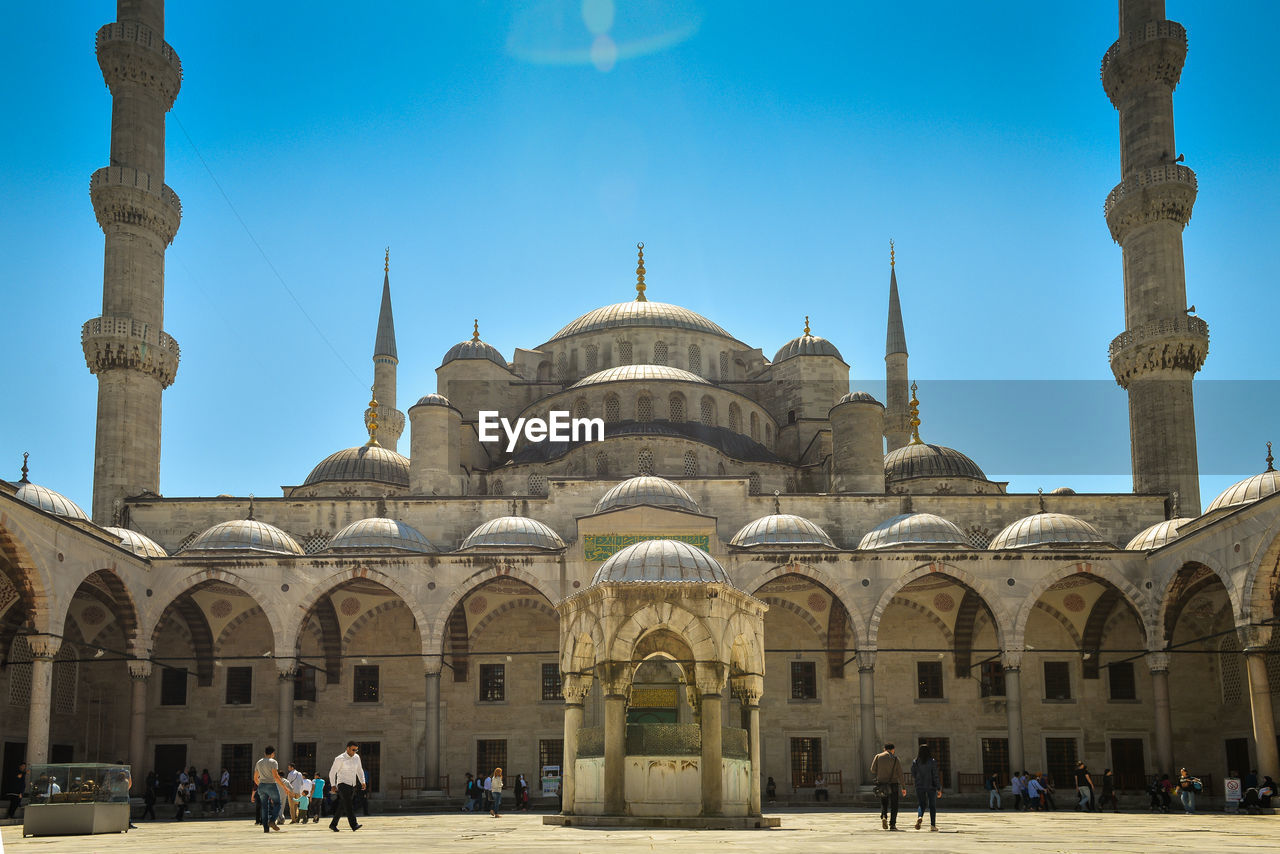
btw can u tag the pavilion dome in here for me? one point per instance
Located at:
(911, 529)
(364, 463)
(1247, 491)
(245, 535)
(806, 345)
(858, 397)
(661, 560)
(924, 460)
(474, 348)
(50, 501)
(781, 529)
(639, 314)
(139, 544)
(433, 399)
(647, 489)
(1048, 529)
(381, 533)
(513, 532)
(1155, 536)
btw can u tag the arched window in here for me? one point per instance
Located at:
(496, 487)
(593, 358)
(644, 461)
(708, 411)
(735, 418)
(755, 427)
(624, 352)
(580, 408)
(690, 464)
(660, 353)
(695, 359)
(753, 483)
(676, 407)
(602, 464)
(537, 484)
(612, 409)
(724, 367)
(644, 408)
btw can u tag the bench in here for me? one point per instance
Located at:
(419, 784)
(804, 780)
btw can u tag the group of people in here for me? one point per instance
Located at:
(304, 794)
(190, 789)
(886, 773)
(486, 794)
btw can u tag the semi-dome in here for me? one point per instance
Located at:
(139, 544)
(661, 560)
(781, 529)
(513, 532)
(245, 535)
(625, 373)
(50, 501)
(365, 463)
(911, 529)
(641, 314)
(1156, 536)
(1247, 491)
(806, 345)
(381, 533)
(433, 399)
(858, 397)
(924, 460)
(1048, 529)
(647, 489)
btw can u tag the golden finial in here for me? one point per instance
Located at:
(371, 418)
(1270, 460)
(386, 261)
(806, 324)
(26, 454)
(891, 252)
(640, 297)
(915, 417)
(475, 330)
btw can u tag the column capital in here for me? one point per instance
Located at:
(433, 664)
(1011, 656)
(710, 677)
(866, 659)
(1157, 662)
(748, 688)
(286, 668)
(140, 671)
(1254, 639)
(615, 677)
(44, 646)
(575, 687)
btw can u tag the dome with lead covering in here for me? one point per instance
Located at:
(473, 349)
(781, 529)
(661, 560)
(646, 489)
(139, 544)
(806, 345)
(381, 533)
(642, 314)
(924, 460)
(50, 501)
(245, 535)
(1247, 491)
(1048, 529)
(1156, 536)
(912, 529)
(365, 463)
(433, 399)
(626, 373)
(513, 532)
(858, 397)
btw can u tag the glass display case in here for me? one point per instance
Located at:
(75, 798)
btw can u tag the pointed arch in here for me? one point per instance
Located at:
(1103, 573)
(966, 629)
(1259, 599)
(170, 592)
(1190, 578)
(671, 617)
(830, 583)
(1001, 620)
(359, 573)
(1095, 627)
(468, 585)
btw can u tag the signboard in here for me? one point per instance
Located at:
(1234, 793)
(550, 780)
(599, 547)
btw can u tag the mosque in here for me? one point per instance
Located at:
(431, 605)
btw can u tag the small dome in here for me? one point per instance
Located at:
(142, 546)
(661, 560)
(433, 399)
(513, 532)
(50, 501)
(858, 397)
(921, 460)
(781, 529)
(365, 463)
(625, 373)
(245, 535)
(652, 314)
(474, 348)
(1247, 491)
(806, 345)
(647, 489)
(379, 533)
(1156, 536)
(1063, 490)
(1048, 529)
(911, 529)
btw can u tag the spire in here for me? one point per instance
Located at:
(385, 344)
(640, 297)
(915, 417)
(1271, 462)
(26, 454)
(896, 338)
(371, 419)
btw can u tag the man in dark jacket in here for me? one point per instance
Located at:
(16, 788)
(886, 773)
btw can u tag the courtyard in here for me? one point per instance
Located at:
(802, 832)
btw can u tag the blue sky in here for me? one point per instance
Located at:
(765, 156)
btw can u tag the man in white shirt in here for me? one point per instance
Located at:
(294, 779)
(346, 775)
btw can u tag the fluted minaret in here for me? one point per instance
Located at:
(127, 348)
(390, 421)
(896, 427)
(1162, 346)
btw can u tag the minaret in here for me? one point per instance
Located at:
(896, 428)
(390, 421)
(1163, 345)
(127, 348)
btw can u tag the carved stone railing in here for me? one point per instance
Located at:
(1154, 52)
(1160, 193)
(122, 342)
(1180, 343)
(128, 196)
(130, 52)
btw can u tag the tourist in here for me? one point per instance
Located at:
(269, 789)
(180, 796)
(346, 776)
(496, 782)
(17, 786)
(886, 774)
(1046, 792)
(1187, 788)
(924, 771)
(993, 787)
(820, 788)
(294, 779)
(224, 790)
(150, 794)
(1109, 792)
(1035, 792)
(317, 798)
(488, 792)
(771, 791)
(1266, 791)
(1084, 787)
(471, 794)
(304, 799)
(1019, 790)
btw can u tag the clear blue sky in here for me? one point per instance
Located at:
(764, 152)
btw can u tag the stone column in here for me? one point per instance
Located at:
(431, 728)
(140, 675)
(748, 690)
(868, 743)
(1253, 639)
(1011, 659)
(711, 680)
(286, 668)
(574, 688)
(43, 649)
(616, 686)
(1158, 664)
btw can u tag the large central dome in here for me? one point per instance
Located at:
(636, 313)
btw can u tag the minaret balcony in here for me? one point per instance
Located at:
(122, 195)
(1161, 193)
(133, 53)
(1154, 53)
(122, 342)
(1172, 344)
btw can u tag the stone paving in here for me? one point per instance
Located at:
(802, 832)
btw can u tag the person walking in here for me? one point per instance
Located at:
(224, 790)
(1084, 787)
(488, 792)
(771, 791)
(17, 786)
(294, 779)
(150, 794)
(270, 788)
(497, 793)
(317, 798)
(1187, 788)
(1019, 789)
(346, 776)
(993, 787)
(886, 773)
(924, 771)
(1109, 792)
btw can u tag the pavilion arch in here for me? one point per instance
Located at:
(1261, 599)
(1177, 592)
(17, 565)
(664, 615)
(435, 642)
(1104, 574)
(1002, 624)
(835, 587)
(578, 656)
(122, 603)
(325, 587)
